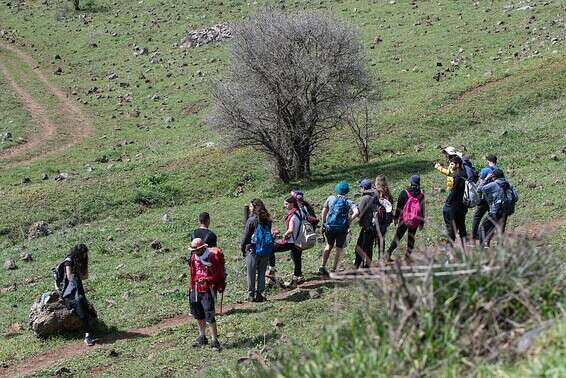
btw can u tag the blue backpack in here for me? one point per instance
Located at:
(338, 212)
(262, 240)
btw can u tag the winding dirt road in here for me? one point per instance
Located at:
(50, 137)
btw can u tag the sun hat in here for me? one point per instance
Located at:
(450, 150)
(197, 244)
(342, 188)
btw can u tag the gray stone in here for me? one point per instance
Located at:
(26, 257)
(49, 316)
(38, 229)
(10, 264)
(156, 244)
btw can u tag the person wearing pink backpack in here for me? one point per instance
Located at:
(409, 215)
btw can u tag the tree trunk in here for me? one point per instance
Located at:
(283, 171)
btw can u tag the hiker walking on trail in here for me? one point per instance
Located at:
(409, 216)
(257, 247)
(305, 208)
(203, 232)
(482, 208)
(454, 210)
(337, 213)
(367, 207)
(207, 278)
(287, 243)
(501, 198)
(73, 293)
(384, 214)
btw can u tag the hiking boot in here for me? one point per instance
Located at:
(200, 341)
(323, 272)
(89, 340)
(298, 279)
(259, 298)
(250, 298)
(215, 345)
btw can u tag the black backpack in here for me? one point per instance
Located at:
(59, 275)
(505, 204)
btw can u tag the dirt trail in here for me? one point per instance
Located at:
(45, 360)
(75, 125)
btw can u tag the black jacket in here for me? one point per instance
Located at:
(403, 197)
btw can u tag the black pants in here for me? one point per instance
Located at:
(365, 243)
(490, 226)
(296, 255)
(81, 308)
(455, 220)
(480, 210)
(399, 233)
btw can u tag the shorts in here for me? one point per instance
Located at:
(336, 237)
(203, 308)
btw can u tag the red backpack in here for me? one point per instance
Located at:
(218, 262)
(411, 216)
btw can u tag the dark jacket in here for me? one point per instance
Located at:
(403, 199)
(493, 192)
(456, 195)
(249, 230)
(366, 208)
(471, 173)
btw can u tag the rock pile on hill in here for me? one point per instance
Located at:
(200, 37)
(49, 316)
(38, 229)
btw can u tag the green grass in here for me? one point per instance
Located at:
(171, 170)
(13, 119)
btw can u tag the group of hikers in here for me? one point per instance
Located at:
(487, 191)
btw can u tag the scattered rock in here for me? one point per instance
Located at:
(136, 277)
(113, 353)
(102, 159)
(277, 323)
(25, 181)
(554, 157)
(112, 76)
(9, 288)
(89, 168)
(62, 176)
(138, 50)
(6, 137)
(419, 148)
(59, 372)
(166, 218)
(49, 316)
(168, 119)
(314, 294)
(38, 229)
(45, 177)
(201, 37)
(58, 71)
(156, 244)
(26, 257)
(526, 341)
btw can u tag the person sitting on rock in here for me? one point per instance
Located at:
(76, 270)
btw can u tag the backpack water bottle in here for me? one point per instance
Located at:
(411, 216)
(338, 212)
(262, 239)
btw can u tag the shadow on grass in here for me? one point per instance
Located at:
(398, 169)
(247, 310)
(246, 342)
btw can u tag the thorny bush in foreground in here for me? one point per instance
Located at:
(416, 327)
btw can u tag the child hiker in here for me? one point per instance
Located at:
(206, 279)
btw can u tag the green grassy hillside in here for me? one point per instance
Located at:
(501, 87)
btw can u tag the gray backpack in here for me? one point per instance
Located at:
(306, 239)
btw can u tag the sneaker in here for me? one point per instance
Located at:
(259, 298)
(270, 272)
(323, 272)
(298, 279)
(250, 298)
(215, 345)
(200, 341)
(89, 341)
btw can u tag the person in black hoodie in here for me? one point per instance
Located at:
(366, 239)
(414, 190)
(454, 210)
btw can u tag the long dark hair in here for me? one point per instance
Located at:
(261, 213)
(293, 201)
(79, 255)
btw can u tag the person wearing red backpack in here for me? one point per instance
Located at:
(409, 215)
(207, 277)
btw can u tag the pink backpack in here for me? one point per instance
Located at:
(411, 216)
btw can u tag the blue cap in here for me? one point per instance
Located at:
(365, 184)
(342, 188)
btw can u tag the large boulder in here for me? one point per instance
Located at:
(49, 316)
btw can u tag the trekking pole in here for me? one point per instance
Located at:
(221, 301)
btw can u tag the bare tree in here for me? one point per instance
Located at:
(361, 121)
(291, 79)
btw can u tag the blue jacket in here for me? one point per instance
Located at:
(493, 192)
